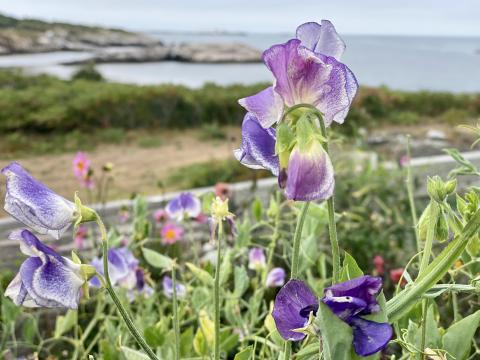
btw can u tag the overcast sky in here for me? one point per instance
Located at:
(403, 17)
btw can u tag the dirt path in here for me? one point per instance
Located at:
(136, 169)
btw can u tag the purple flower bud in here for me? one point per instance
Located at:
(256, 258)
(45, 279)
(34, 204)
(292, 308)
(168, 288)
(184, 206)
(275, 278)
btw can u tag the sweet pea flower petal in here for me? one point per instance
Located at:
(267, 106)
(34, 204)
(289, 311)
(168, 288)
(276, 277)
(45, 279)
(370, 337)
(305, 77)
(310, 175)
(256, 258)
(185, 205)
(322, 39)
(257, 150)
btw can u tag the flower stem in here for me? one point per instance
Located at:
(332, 227)
(296, 240)
(217, 292)
(424, 328)
(427, 249)
(176, 325)
(121, 309)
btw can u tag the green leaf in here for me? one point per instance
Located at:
(131, 354)
(226, 267)
(228, 340)
(200, 274)
(458, 337)
(156, 259)
(350, 269)
(257, 209)
(245, 354)
(241, 281)
(108, 351)
(186, 340)
(308, 352)
(65, 323)
(336, 335)
(154, 335)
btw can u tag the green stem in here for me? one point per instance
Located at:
(217, 292)
(296, 240)
(424, 328)
(433, 210)
(121, 309)
(176, 325)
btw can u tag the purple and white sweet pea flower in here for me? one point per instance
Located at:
(168, 288)
(348, 300)
(306, 71)
(184, 206)
(45, 279)
(276, 277)
(122, 266)
(34, 204)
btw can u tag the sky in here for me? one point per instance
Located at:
(383, 17)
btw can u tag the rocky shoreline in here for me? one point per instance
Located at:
(111, 45)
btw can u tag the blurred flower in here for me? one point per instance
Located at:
(276, 277)
(404, 161)
(353, 298)
(160, 215)
(256, 259)
(123, 215)
(107, 167)
(80, 236)
(171, 233)
(45, 279)
(122, 266)
(168, 288)
(88, 182)
(379, 264)
(34, 204)
(293, 305)
(222, 190)
(81, 165)
(184, 206)
(396, 275)
(202, 218)
(140, 287)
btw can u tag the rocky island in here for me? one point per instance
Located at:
(23, 36)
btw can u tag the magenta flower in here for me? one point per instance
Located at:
(275, 278)
(256, 258)
(160, 215)
(81, 165)
(171, 233)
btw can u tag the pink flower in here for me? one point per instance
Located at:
(171, 233)
(379, 265)
(396, 274)
(404, 161)
(222, 190)
(201, 219)
(80, 236)
(160, 215)
(81, 165)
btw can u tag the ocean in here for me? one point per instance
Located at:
(398, 62)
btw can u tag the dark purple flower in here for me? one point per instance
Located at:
(257, 150)
(45, 279)
(275, 278)
(168, 288)
(293, 305)
(353, 298)
(184, 206)
(34, 204)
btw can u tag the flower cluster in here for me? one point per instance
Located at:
(124, 271)
(308, 75)
(350, 301)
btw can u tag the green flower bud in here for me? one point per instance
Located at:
(441, 229)
(438, 189)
